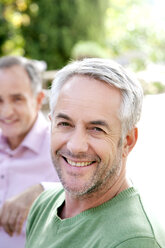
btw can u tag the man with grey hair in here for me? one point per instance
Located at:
(95, 106)
(24, 139)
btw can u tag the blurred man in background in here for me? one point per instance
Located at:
(24, 138)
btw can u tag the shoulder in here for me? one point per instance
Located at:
(143, 229)
(130, 224)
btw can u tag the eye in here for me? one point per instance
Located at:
(97, 130)
(17, 99)
(63, 124)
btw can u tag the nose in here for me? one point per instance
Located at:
(78, 142)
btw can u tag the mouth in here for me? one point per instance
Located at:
(78, 163)
(7, 122)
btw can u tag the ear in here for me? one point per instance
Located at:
(40, 97)
(130, 141)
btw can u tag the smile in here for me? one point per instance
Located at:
(78, 164)
(8, 121)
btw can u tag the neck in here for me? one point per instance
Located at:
(75, 205)
(14, 142)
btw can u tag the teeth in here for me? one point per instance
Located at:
(8, 121)
(78, 164)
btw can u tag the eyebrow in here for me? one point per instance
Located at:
(17, 95)
(96, 122)
(63, 116)
(14, 96)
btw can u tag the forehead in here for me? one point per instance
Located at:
(14, 79)
(86, 96)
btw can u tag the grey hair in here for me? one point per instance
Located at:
(111, 73)
(28, 66)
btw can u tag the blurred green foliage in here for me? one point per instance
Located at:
(152, 88)
(50, 28)
(59, 30)
(134, 33)
(88, 49)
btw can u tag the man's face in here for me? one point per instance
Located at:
(86, 135)
(18, 105)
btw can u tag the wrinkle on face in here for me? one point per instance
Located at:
(85, 106)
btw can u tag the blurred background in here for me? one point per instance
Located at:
(132, 32)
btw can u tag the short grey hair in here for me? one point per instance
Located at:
(111, 73)
(28, 66)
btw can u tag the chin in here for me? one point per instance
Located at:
(80, 190)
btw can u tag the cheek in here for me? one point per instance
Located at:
(58, 139)
(109, 143)
(23, 108)
(106, 148)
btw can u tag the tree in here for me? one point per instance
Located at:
(56, 25)
(132, 35)
(49, 30)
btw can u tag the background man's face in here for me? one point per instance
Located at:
(86, 132)
(18, 105)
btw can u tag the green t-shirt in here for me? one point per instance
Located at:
(121, 222)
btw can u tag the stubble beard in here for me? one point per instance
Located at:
(101, 180)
